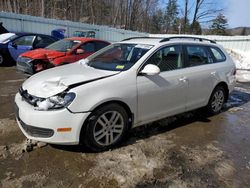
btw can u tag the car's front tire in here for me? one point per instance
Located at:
(216, 101)
(106, 127)
(1, 60)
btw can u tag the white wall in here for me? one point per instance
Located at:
(25, 23)
(229, 42)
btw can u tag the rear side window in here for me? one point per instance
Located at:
(100, 45)
(198, 55)
(88, 47)
(218, 54)
(42, 41)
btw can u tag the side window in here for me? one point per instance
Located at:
(88, 47)
(198, 55)
(168, 58)
(218, 54)
(46, 41)
(25, 40)
(100, 45)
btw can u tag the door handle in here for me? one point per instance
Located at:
(183, 79)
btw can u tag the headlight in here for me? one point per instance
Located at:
(55, 102)
(22, 59)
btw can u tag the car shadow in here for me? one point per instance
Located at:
(236, 99)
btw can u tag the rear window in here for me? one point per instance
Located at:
(218, 54)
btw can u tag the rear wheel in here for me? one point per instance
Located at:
(216, 101)
(106, 127)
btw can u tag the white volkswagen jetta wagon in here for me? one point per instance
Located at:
(127, 84)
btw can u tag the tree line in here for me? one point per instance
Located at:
(152, 16)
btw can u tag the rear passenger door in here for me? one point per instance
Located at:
(201, 75)
(164, 94)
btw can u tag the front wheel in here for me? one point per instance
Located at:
(1, 59)
(106, 127)
(216, 101)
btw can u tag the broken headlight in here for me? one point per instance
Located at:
(55, 102)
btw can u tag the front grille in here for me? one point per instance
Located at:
(36, 131)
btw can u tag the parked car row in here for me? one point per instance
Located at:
(36, 52)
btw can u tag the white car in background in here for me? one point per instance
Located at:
(125, 85)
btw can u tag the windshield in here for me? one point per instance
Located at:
(118, 57)
(7, 37)
(64, 45)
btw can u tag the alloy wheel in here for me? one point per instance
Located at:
(217, 100)
(108, 128)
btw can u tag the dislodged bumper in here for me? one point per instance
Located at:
(24, 66)
(54, 126)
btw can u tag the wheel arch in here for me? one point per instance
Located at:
(225, 87)
(121, 103)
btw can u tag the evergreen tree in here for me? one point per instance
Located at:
(219, 25)
(197, 28)
(157, 22)
(171, 16)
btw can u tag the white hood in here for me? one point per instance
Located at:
(53, 81)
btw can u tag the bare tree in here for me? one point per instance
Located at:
(204, 11)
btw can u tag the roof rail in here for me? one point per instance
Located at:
(142, 38)
(187, 37)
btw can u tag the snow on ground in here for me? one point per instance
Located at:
(242, 61)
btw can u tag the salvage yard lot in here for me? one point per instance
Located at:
(184, 151)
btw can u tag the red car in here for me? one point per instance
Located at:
(62, 52)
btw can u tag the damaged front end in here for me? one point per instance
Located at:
(32, 66)
(54, 102)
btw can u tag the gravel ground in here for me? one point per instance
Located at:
(183, 151)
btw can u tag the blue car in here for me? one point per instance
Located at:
(12, 45)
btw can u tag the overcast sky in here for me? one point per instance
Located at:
(237, 12)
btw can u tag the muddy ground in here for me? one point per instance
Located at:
(184, 151)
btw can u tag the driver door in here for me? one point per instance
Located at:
(164, 94)
(20, 45)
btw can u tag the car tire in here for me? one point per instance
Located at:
(105, 128)
(216, 101)
(1, 60)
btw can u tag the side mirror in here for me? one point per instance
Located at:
(79, 51)
(150, 70)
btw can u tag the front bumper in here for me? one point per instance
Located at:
(25, 67)
(43, 125)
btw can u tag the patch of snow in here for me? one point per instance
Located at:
(242, 62)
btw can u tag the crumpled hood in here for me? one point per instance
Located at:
(43, 54)
(53, 81)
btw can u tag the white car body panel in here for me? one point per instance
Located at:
(160, 95)
(54, 81)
